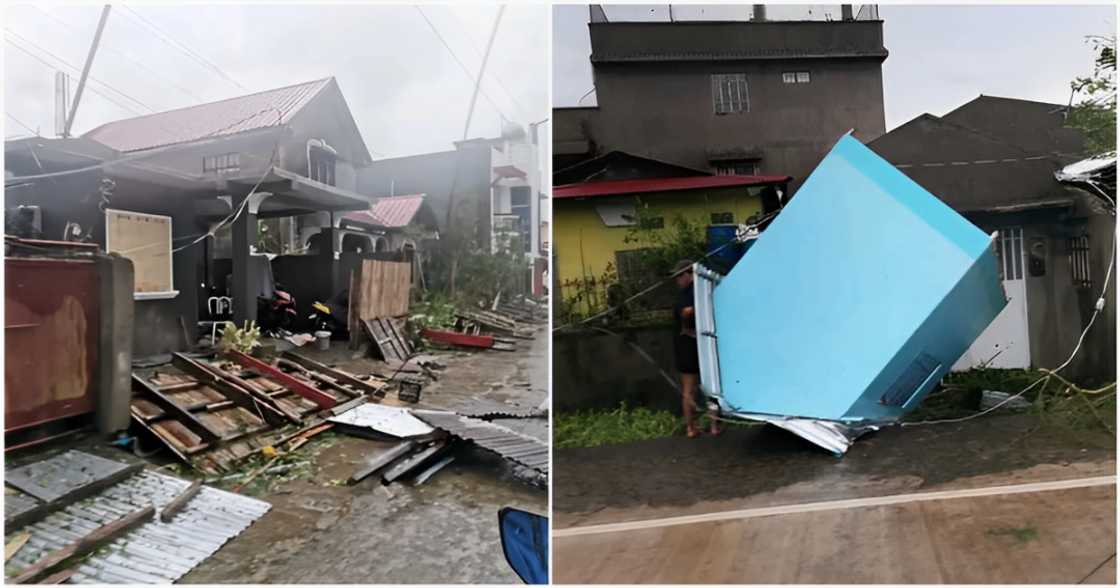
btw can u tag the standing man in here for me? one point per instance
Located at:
(685, 349)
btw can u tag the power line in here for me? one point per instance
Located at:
(75, 68)
(497, 79)
(184, 48)
(53, 67)
(125, 55)
(21, 123)
(459, 61)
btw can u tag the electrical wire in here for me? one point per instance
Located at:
(127, 56)
(233, 215)
(75, 68)
(463, 66)
(54, 67)
(21, 123)
(168, 39)
(516, 104)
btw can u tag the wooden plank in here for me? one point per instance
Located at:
(12, 547)
(337, 374)
(322, 399)
(481, 341)
(59, 577)
(179, 502)
(177, 412)
(236, 390)
(378, 289)
(88, 544)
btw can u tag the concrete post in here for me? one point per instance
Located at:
(114, 360)
(846, 12)
(244, 288)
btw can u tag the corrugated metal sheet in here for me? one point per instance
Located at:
(393, 212)
(154, 553)
(508, 443)
(214, 119)
(389, 420)
(612, 187)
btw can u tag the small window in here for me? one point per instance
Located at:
(789, 77)
(221, 164)
(321, 165)
(737, 168)
(803, 77)
(723, 218)
(653, 222)
(1079, 262)
(729, 94)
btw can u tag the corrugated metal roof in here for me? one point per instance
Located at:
(506, 442)
(214, 119)
(391, 212)
(389, 420)
(614, 187)
(155, 552)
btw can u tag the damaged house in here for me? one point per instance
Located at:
(997, 162)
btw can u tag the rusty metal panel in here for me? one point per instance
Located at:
(51, 320)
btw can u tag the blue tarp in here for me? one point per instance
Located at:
(853, 303)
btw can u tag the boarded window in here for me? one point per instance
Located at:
(1079, 262)
(729, 93)
(145, 239)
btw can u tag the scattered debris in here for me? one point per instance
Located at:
(506, 442)
(116, 529)
(464, 340)
(433, 469)
(990, 398)
(386, 335)
(391, 421)
(409, 390)
(14, 544)
(381, 460)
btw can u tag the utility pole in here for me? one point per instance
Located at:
(85, 70)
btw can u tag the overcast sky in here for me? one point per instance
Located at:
(940, 56)
(403, 86)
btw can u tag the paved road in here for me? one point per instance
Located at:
(1052, 536)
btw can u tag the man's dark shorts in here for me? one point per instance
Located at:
(687, 355)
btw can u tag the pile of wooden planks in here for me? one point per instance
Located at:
(214, 414)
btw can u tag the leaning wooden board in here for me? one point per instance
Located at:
(378, 289)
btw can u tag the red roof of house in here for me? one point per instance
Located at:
(609, 188)
(391, 212)
(204, 121)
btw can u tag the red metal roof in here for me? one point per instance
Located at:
(609, 188)
(213, 119)
(391, 212)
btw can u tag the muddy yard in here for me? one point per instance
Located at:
(445, 531)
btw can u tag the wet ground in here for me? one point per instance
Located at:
(444, 531)
(749, 464)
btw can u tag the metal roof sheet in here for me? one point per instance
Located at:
(214, 119)
(389, 420)
(392, 212)
(614, 187)
(154, 553)
(504, 441)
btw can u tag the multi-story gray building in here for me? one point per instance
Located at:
(729, 97)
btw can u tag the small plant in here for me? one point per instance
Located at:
(1021, 535)
(242, 339)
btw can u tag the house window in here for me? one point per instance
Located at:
(795, 77)
(729, 93)
(321, 165)
(653, 222)
(1009, 251)
(520, 205)
(221, 164)
(723, 218)
(1079, 261)
(145, 239)
(737, 168)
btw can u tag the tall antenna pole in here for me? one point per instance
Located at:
(85, 70)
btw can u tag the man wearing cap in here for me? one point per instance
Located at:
(684, 346)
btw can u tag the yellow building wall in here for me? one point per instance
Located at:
(585, 246)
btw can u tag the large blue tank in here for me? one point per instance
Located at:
(852, 304)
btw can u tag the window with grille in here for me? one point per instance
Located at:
(1079, 261)
(321, 165)
(1009, 252)
(729, 93)
(221, 164)
(737, 168)
(519, 204)
(795, 77)
(723, 218)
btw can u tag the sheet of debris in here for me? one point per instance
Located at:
(135, 526)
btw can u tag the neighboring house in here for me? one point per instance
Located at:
(392, 223)
(594, 225)
(495, 185)
(152, 188)
(728, 97)
(995, 161)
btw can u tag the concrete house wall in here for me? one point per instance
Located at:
(653, 84)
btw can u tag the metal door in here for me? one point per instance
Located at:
(1005, 343)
